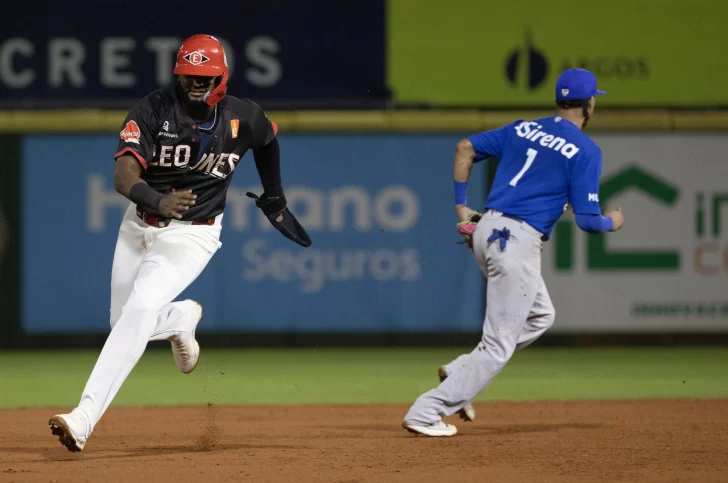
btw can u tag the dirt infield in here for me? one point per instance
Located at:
(579, 441)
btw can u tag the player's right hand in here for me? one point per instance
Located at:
(175, 203)
(617, 218)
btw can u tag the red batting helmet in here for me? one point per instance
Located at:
(203, 55)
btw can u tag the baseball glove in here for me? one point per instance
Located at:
(467, 228)
(277, 212)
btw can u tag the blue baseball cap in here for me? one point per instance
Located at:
(576, 84)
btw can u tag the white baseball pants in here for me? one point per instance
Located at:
(151, 267)
(518, 311)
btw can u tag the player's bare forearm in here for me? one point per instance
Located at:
(463, 163)
(128, 182)
(126, 174)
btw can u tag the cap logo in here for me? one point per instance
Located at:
(565, 92)
(196, 58)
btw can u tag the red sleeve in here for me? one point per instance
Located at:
(129, 150)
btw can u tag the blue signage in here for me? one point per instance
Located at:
(379, 209)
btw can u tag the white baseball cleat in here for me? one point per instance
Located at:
(467, 413)
(185, 348)
(437, 429)
(72, 430)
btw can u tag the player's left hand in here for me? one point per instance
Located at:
(277, 212)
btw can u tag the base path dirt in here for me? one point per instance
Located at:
(565, 442)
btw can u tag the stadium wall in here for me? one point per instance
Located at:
(385, 267)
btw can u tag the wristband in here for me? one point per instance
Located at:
(592, 223)
(145, 197)
(608, 223)
(461, 192)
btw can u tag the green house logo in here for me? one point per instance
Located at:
(598, 257)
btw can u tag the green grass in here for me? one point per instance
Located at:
(36, 379)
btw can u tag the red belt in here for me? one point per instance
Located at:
(162, 222)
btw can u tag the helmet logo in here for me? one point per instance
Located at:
(196, 58)
(565, 92)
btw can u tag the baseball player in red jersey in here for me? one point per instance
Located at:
(177, 152)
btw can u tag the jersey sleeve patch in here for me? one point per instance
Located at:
(131, 133)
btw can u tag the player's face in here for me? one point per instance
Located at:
(592, 105)
(196, 87)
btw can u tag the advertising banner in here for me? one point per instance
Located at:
(470, 52)
(667, 269)
(379, 210)
(275, 50)
(384, 255)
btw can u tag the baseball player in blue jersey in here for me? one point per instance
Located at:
(545, 165)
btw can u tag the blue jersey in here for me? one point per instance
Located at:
(544, 164)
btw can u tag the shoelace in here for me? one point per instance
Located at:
(181, 350)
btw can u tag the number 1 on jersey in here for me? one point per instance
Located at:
(531, 155)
